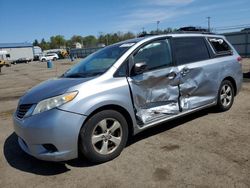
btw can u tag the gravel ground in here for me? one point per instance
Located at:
(205, 149)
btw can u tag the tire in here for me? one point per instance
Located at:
(225, 96)
(96, 144)
(54, 59)
(43, 60)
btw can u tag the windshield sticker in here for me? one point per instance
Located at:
(127, 45)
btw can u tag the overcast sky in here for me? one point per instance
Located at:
(26, 20)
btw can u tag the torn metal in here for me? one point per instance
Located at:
(196, 87)
(156, 96)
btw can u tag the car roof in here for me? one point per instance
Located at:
(148, 37)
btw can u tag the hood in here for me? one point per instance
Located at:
(50, 88)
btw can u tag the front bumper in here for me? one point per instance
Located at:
(56, 127)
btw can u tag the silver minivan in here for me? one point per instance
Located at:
(124, 89)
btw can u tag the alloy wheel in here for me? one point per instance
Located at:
(106, 136)
(226, 95)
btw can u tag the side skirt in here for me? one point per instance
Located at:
(152, 124)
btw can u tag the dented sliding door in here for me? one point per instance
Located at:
(198, 73)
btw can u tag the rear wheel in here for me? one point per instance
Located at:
(225, 96)
(54, 59)
(43, 60)
(103, 136)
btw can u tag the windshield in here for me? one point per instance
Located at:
(98, 62)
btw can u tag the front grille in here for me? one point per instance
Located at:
(22, 110)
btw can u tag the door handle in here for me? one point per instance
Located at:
(171, 75)
(185, 71)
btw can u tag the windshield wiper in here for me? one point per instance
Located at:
(82, 75)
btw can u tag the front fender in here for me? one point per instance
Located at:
(93, 96)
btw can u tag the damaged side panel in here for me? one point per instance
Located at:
(198, 85)
(155, 95)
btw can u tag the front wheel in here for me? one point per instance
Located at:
(225, 96)
(103, 136)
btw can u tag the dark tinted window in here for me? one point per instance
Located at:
(156, 54)
(219, 45)
(190, 49)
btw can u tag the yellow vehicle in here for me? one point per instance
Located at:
(2, 62)
(64, 53)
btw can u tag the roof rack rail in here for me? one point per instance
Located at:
(182, 30)
(191, 29)
(193, 32)
(146, 34)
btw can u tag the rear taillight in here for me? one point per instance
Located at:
(239, 59)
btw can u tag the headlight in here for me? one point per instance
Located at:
(54, 102)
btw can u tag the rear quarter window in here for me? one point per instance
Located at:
(220, 46)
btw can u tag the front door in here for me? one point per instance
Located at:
(155, 91)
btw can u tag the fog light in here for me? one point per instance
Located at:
(50, 147)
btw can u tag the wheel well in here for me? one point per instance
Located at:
(120, 109)
(233, 83)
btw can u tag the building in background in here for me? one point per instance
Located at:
(82, 52)
(15, 51)
(37, 52)
(77, 45)
(3, 54)
(241, 41)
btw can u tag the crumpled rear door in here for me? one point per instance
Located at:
(197, 85)
(198, 72)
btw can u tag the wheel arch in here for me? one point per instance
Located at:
(118, 108)
(231, 79)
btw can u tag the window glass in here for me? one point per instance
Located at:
(156, 54)
(190, 49)
(219, 45)
(122, 71)
(98, 62)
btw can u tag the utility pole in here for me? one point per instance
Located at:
(107, 39)
(143, 29)
(157, 26)
(208, 23)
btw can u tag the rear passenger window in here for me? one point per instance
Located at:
(220, 46)
(190, 49)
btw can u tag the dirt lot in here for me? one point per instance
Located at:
(206, 149)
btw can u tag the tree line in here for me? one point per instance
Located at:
(90, 41)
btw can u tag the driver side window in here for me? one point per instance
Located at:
(156, 55)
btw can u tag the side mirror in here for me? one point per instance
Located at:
(139, 68)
